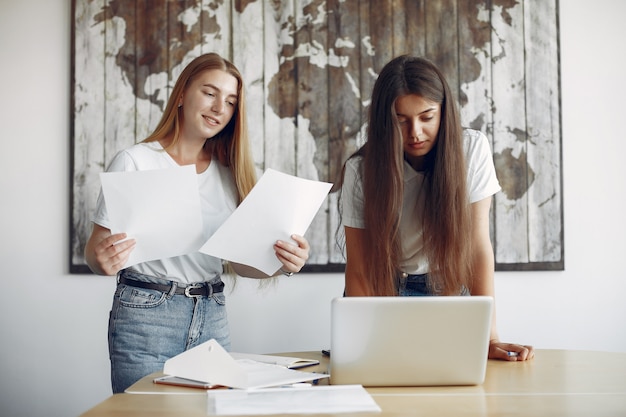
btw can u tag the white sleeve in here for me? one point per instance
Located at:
(482, 181)
(352, 201)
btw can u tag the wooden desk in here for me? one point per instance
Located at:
(555, 383)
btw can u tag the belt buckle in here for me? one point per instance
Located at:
(192, 287)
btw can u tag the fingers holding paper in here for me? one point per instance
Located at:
(107, 253)
(292, 255)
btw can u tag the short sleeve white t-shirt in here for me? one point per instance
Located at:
(481, 183)
(218, 199)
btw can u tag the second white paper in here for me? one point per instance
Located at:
(278, 206)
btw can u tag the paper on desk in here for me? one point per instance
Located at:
(312, 400)
(210, 363)
(284, 361)
(159, 208)
(278, 206)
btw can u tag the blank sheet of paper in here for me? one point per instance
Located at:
(159, 208)
(277, 207)
(309, 400)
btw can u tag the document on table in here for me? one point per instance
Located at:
(285, 361)
(210, 364)
(159, 208)
(307, 400)
(277, 207)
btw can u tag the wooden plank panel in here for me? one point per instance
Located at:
(313, 54)
(119, 105)
(544, 130)
(414, 34)
(399, 27)
(475, 93)
(144, 109)
(311, 71)
(475, 65)
(292, 59)
(217, 27)
(248, 57)
(367, 64)
(511, 205)
(381, 33)
(151, 52)
(281, 95)
(442, 40)
(88, 123)
(343, 85)
(184, 28)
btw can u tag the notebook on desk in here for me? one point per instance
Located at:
(409, 341)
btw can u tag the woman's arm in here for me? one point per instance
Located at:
(483, 264)
(355, 265)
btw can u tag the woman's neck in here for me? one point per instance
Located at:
(185, 153)
(417, 163)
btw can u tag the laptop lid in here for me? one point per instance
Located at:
(410, 341)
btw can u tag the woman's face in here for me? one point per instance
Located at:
(209, 103)
(419, 121)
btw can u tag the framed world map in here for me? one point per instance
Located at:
(309, 67)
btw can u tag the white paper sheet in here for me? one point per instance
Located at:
(159, 208)
(311, 400)
(210, 363)
(285, 361)
(277, 207)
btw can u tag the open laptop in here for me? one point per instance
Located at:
(410, 341)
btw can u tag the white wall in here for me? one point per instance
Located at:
(53, 325)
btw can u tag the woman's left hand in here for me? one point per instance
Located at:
(510, 351)
(292, 256)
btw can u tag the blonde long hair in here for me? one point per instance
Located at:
(446, 220)
(231, 146)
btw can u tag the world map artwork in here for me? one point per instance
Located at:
(309, 67)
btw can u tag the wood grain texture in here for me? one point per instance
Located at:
(309, 68)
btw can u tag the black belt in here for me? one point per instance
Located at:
(203, 289)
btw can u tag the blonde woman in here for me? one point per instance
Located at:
(164, 307)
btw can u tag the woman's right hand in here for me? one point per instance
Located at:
(103, 255)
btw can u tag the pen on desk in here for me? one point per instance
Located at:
(511, 354)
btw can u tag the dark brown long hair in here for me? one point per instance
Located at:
(446, 220)
(231, 146)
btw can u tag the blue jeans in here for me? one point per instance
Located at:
(414, 286)
(417, 286)
(147, 327)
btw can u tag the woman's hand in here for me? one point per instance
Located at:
(510, 351)
(104, 255)
(293, 257)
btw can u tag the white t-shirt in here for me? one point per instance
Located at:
(481, 183)
(218, 199)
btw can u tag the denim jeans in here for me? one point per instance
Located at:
(414, 286)
(147, 327)
(417, 286)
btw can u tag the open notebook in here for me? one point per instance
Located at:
(410, 341)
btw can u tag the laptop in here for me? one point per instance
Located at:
(410, 341)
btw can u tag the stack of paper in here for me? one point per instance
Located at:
(209, 365)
